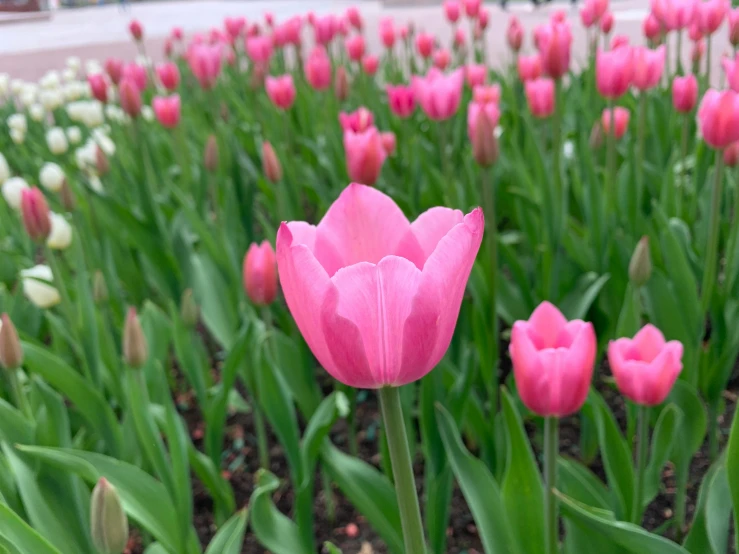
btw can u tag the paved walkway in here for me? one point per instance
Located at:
(29, 49)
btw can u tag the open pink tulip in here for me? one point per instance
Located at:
(401, 99)
(169, 75)
(553, 361)
(554, 42)
(355, 47)
(711, 14)
(540, 96)
(529, 67)
(648, 67)
(167, 110)
(613, 71)
(259, 49)
(365, 154)
(684, 93)
(376, 297)
(205, 63)
(357, 121)
(646, 366)
(438, 94)
(718, 118)
(281, 90)
(476, 74)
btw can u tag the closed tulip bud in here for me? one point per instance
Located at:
(640, 266)
(108, 521)
(135, 349)
(388, 142)
(99, 288)
(11, 352)
(67, 197)
(210, 156)
(270, 163)
(341, 84)
(597, 136)
(35, 213)
(260, 273)
(189, 310)
(136, 29)
(731, 154)
(101, 162)
(484, 143)
(130, 97)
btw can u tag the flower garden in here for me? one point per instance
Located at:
(282, 294)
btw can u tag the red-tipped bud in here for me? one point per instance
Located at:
(136, 30)
(11, 352)
(135, 348)
(341, 84)
(130, 97)
(260, 273)
(35, 213)
(484, 143)
(270, 163)
(210, 155)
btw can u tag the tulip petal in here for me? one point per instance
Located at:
(446, 272)
(527, 369)
(373, 303)
(546, 325)
(648, 342)
(363, 225)
(579, 365)
(428, 229)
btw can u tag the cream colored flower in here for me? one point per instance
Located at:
(4, 169)
(51, 177)
(37, 287)
(60, 236)
(18, 122)
(74, 134)
(37, 112)
(56, 139)
(12, 190)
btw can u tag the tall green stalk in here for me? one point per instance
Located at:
(400, 458)
(711, 259)
(642, 448)
(551, 448)
(611, 157)
(635, 204)
(488, 188)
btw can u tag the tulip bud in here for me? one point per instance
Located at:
(270, 163)
(484, 143)
(35, 212)
(640, 266)
(11, 352)
(136, 30)
(101, 162)
(210, 156)
(108, 521)
(388, 142)
(341, 84)
(189, 310)
(260, 273)
(67, 197)
(99, 288)
(596, 136)
(135, 349)
(130, 97)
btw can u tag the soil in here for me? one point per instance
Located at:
(350, 531)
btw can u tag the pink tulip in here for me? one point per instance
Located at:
(168, 48)
(674, 14)
(553, 361)
(694, 32)
(129, 97)
(483, 18)
(169, 75)
(114, 69)
(442, 58)
(476, 74)
(485, 94)
(684, 93)
(288, 32)
(459, 38)
(439, 94)
(35, 213)
(718, 118)
(645, 367)
(177, 33)
(492, 111)
(167, 110)
(365, 154)
(260, 273)
(136, 30)
(388, 142)
(621, 118)
(387, 33)
(540, 96)
(234, 27)
(135, 73)
(370, 64)
(613, 71)
(425, 44)
(357, 121)
(318, 68)
(205, 63)
(651, 27)
(711, 14)
(472, 8)
(733, 19)
(554, 43)
(355, 47)
(451, 10)
(259, 49)
(269, 19)
(404, 32)
(731, 154)
(558, 16)
(281, 90)
(387, 318)
(731, 68)
(606, 23)
(648, 67)
(587, 15)
(529, 67)
(514, 34)
(216, 36)
(354, 18)
(401, 100)
(696, 54)
(325, 29)
(98, 87)
(618, 41)
(342, 26)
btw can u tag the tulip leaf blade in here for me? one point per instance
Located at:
(709, 530)
(230, 536)
(21, 535)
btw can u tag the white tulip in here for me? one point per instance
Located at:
(115, 113)
(86, 155)
(36, 286)
(74, 63)
(16, 85)
(92, 67)
(95, 183)
(18, 121)
(568, 149)
(56, 140)
(147, 113)
(93, 114)
(12, 190)
(74, 134)
(50, 80)
(4, 169)
(4, 84)
(69, 74)
(51, 177)
(37, 112)
(18, 136)
(60, 236)
(104, 141)
(51, 99)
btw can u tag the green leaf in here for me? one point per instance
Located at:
(709, 531)
(331, 548)
(577, 303)
(273, 529)
(333, 406)
(693, 423)
(732, 471)
(230, 536)
(217, 307)
(21, 535)
(479, 488)
(522, 489)
(663, 438)
(627, 535)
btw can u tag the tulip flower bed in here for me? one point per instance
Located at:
(281, 294)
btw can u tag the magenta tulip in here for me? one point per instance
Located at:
(169, 75)
(718, 118)
(357, 121)
(365, 155)
(167, 110)
(613, 71)
(439, 94)
(540, 96)
(648, 67)
(401, 99)
(205, 63)
(281, 90)
(318, 69)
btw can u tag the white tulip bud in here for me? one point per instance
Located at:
(74, 134)
(37, 112)
(74, 63)
(37, 287)
(69, 74)
(17, 136)
(51, 177)
(18, 122)
(16, 85)
(147, 113)
(56, 140)
(60, 236)
(12, 190)
(4, 169)
(4, 84)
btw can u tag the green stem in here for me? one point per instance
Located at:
(636, 200)
(559, 200)
(551, 448)
(400, 458)
(681, 488)
(731, 249)
(20, 399)
(709, 41)
(642, 448)
(683, 155)
(709, 273)
(488, 190)
(679, 53)
(445, 163)
(712, 431)
(611, 157)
